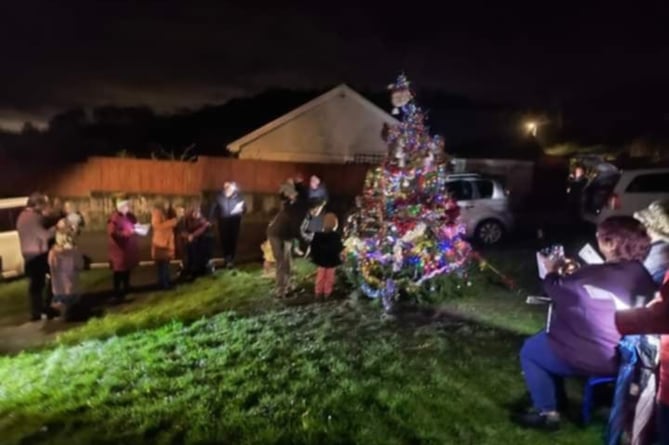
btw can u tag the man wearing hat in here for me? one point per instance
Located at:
(656, 220)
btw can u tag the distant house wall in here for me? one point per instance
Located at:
(333, 132)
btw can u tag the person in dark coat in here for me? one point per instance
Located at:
(281, 232)
(123, 247)
(583, 339)
(227, 211)
(312, 224)
(198, 243)
(326, 249)
(575, 186)
(35, 243)
(301, 188)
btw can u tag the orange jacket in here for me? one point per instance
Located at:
(162, 240)
(652, 319)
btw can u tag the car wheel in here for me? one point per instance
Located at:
(489, 232)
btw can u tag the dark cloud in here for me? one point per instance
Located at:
(169, 54)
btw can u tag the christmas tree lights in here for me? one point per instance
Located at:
(405, 230)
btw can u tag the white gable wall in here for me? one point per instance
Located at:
(331, 132)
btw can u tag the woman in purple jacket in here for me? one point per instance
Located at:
(583, 337)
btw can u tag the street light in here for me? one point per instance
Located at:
(532, 127)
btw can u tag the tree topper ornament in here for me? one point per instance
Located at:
(401, 93)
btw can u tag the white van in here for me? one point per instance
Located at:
(624, 192)
(11, 260)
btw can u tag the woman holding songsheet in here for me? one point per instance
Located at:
(583, 337)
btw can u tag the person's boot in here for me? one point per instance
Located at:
(539, 420)
(51, 313)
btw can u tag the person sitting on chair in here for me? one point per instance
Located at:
(582, 339)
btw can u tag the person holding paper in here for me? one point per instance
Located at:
(123, 247)
(198, 242)
(583, 338)
(163, 222)
(227, 211)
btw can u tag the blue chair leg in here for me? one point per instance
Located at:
(586, 409)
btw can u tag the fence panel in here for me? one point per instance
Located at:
(112, 175)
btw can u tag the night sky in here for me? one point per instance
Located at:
(171, 54)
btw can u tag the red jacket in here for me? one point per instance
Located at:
(122, 242)
(652, 319)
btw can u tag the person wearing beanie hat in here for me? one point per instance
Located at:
(656, 220)
(123, 247)
(65, 264)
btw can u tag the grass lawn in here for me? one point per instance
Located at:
(238, 367)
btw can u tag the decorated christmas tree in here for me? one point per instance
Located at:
(405, 231)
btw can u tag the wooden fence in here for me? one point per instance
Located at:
(112, 175)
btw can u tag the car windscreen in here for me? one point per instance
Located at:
(8, 219)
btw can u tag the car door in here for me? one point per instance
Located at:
(644, 189)
(490, 204)
(464, 193)
(11, 259)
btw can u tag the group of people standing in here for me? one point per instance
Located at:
(594, 307)
(48, 235)
(179, 233)
(304, 227)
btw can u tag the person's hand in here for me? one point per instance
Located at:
(656, 300)
(190, 238)
(550, 264)
(664, 289)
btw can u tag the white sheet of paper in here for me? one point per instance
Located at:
(142, 229)
(590, 255)
(237, 209)
(597, 293)
(540, 265)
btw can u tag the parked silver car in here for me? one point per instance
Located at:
(624, 192)
(484, 206)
